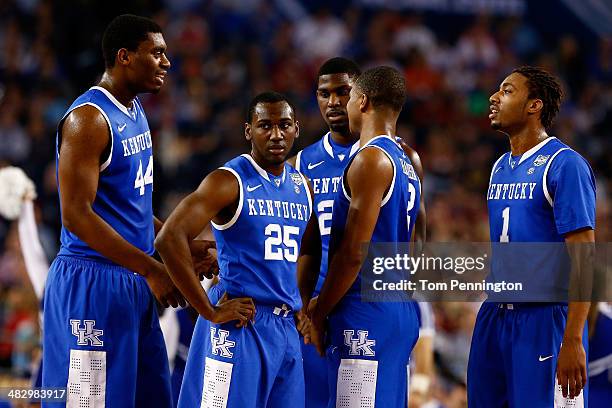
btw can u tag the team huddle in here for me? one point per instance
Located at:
(285, 325)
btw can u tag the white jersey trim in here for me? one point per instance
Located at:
(327, 145)
(234, 218)
(114, 100)
(392, 186)
(259, 170)
(304, 180)
(534, 149)
(298, 159)
(598, 366)
(544, 185)
(494, 166)
(106, 162)
(427, 319)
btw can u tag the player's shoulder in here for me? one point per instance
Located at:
(563, 155)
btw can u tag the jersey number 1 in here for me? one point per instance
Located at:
(141, 181)
(506, 217)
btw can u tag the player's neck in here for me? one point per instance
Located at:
(377, 125)
(274, 169)
(122, 94)
(342, 138)
(527, 138)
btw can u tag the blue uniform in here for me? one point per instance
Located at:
(547, 192)
(101, 336)
(323, 163)
(259, 365)
(600, 359)
(370, 343)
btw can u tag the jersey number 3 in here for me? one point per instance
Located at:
(141, 181)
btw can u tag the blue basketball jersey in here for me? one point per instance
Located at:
(259, 247)
(399, 207)
(537, 198)
(125, 186)
(541, 195)
(323, 163)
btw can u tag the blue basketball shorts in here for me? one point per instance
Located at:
(369, 351)
(256, 366)
(101, 337)
(315, 377)
(513, 357)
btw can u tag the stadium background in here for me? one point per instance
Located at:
(453, 54)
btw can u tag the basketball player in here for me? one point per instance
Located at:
(600, 354)
(518, 349)
(370, 343)
(101, 336)
(260, 208)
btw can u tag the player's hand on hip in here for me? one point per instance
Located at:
(302, 323)
(571, 368)
(227, 310)
(204, 260)
(317, 336)
(162, 287)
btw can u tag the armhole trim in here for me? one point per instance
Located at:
(494, 167)
(392, 186)
(298, 159)
(234, 218)
(544, 184)
(307, 191)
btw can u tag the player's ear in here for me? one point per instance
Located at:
(297, 129)
(247, 131)
(364, 102)
(123, 56)
(535, 106)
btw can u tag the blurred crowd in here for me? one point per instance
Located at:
(223, 52)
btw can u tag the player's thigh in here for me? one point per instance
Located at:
(90, 332)
(153, 371)
(486, 377)
(289, 382)
(370, 353)
(315, 377)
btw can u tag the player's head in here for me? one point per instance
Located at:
(527, 94)
(380, 89)
(335, 79)
(271, 127)
(136, 45)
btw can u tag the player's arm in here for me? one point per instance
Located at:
(218, 191)
(308, 268)
(367, 193)
(571, 184)
(85, 137)
(420, 226)
(309, 261)
(571, 365)
(205, 263)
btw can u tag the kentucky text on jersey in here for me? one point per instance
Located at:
(511, 191)
(322, 185)
(279, 209)
(136, 144)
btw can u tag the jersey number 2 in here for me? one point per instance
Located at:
(141, 181)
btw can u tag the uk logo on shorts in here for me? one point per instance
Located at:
(359, 346)
(86, 335)
(221, 345)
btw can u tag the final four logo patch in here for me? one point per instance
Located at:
(297, 180)
(540, 160)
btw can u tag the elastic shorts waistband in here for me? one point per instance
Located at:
(93, 263)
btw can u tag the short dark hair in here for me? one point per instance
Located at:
(339, 65)
(267, 97)
(125, 31)
(542, 85)
(384, 86)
